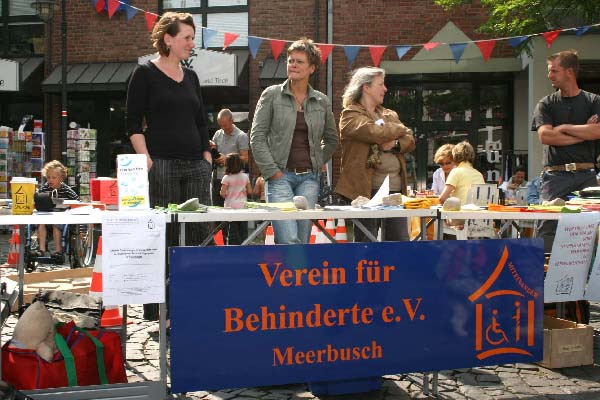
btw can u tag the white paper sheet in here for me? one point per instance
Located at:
(571, 257)
(133, 258)
(384, 190)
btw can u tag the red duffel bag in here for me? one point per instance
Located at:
(84, 358)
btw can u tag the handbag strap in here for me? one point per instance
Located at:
(99, 354)
(68, 357)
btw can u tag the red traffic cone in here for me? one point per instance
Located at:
(111, 317)
(320, 236)
(96, 285)
(341, 235)
(13, 250)
(330, 228)
(270, 236)
(313, 234)
(219, 238)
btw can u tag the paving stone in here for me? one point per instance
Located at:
(466, 379)
(489, 378)
(253, 393)
(220, 395)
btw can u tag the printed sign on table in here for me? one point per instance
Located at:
(132, 174)
(571, 257)
(244, 316)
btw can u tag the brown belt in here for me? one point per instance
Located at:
(571, 167)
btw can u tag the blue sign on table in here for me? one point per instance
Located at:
(244, 316)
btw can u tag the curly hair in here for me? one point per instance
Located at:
(169, 23)
(308, 47)
(361, 76)
(54, 165)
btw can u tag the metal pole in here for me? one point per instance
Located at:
(63, 97)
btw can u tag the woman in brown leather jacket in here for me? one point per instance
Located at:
(373, 145)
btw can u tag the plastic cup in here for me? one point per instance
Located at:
(22, 190)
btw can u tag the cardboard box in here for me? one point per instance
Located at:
(73, 280)
(567, 343)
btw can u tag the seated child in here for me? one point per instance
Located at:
(55, 174)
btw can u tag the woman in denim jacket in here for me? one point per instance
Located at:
(293, 134)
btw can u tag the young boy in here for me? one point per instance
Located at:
(55, 174)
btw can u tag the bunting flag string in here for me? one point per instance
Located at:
(351, 51)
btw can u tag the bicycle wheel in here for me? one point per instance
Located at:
(86, 243)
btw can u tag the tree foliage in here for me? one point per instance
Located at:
(522, 17)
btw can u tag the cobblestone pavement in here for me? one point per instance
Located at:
(503, 382)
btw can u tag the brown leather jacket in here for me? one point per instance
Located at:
(358, 131)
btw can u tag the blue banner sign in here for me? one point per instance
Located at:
(244, 316)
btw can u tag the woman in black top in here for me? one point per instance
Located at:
(166, 120)
(166, 117)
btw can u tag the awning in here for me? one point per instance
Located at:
(27, 66)
(91, 77)
(273, 72)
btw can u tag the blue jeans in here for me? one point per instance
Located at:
(284, 189)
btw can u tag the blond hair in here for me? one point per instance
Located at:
(463, 152)
(361, 76)
(443, 152)
(54, 165)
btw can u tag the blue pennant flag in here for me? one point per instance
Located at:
(401, 51)
(208, 35)
(581, 30)
(516, 41)
(351, 53)
(130, 11)
(457, 50)
(254, 43)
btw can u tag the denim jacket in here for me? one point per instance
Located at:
(274, 123)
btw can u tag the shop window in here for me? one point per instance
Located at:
(447, 104)
(404, 102)
(26, 39)
(493, 102)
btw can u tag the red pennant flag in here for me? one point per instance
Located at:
(325, 51)
(486, 47)
(431, 45)
(376, 54)
(150, 19)
(551, 36)
(100, 6)
(112, 7)
(276, 47)
(228, 39)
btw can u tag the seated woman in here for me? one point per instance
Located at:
(443, 158)
(374, 142)
(55, 174)
(463, 176)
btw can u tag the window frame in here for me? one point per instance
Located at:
(205, 10)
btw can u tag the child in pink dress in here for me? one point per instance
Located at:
(235, 187)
